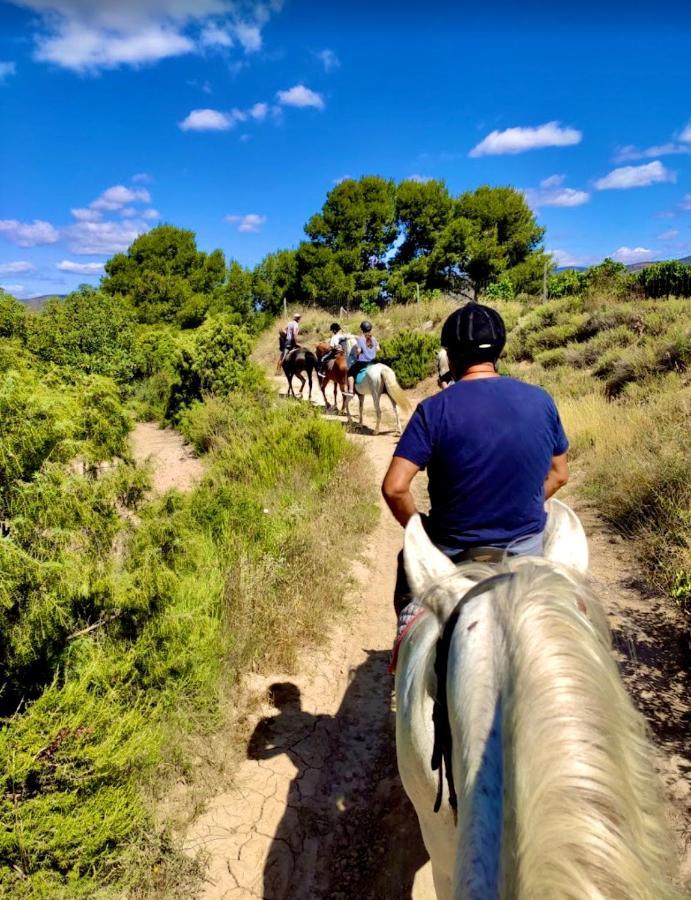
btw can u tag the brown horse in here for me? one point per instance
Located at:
(336, 371)
(297, 362)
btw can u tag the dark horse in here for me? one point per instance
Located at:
(297, 362)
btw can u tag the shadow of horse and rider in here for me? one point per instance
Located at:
(348, 829)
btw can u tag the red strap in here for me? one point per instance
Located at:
(399, 640)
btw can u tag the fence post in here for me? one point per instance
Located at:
(285, 308)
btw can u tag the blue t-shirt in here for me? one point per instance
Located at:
(487, 445)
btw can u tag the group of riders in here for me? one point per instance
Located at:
(494, 447)
(363, 353)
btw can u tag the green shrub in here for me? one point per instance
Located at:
(589, 353)
(551, 358)
(12, 316)
(411, 356)
(502, 289)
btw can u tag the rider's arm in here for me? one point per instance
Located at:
(396, 489)
(557, 476)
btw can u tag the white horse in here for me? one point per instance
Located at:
(557, 795)
(378, 379)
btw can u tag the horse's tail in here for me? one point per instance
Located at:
(581, 793)
(394, 390)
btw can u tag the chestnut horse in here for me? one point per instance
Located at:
(336, 371)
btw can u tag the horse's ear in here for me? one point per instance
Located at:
(565, 540)
(424, 563)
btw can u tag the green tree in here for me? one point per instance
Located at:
(237, 294)
(166, 277)
(423, 210)
(12, 316)
(88, 330)
(276, 278)
(357, 216)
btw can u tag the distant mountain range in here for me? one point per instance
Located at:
(37, 302)
(633, 267)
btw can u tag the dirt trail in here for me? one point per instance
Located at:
(316, 809)
(173, 462)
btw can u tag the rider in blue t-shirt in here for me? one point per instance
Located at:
(494, 449)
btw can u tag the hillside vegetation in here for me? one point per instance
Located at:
(125, 620)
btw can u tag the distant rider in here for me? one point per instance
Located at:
(365, 354)
(494, 449)
(288, 339)
(336, 342)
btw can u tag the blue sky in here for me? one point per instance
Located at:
(235, 118)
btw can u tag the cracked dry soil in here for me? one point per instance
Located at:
(316, 810)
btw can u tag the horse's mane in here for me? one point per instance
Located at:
(582, 815)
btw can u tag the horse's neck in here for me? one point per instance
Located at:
(541, 720)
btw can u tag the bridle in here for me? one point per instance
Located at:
(443, 741)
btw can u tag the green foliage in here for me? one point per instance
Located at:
(502, 289)
(89, 331)
(276, 279)
(217, 362)
(411, 356)
(134, 649)
(567, 283)
(12, 316)
(357, 215)
(423, 210)
(665, 279)
(165, 277)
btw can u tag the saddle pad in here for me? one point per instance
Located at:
(360, 377)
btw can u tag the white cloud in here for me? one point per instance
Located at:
(630, 152)
(686, 134)
(300, 96)
(631, 255)
(685, 203)
(142, 178)
(7, 69)
(668, 235)
(249, 36)
(259, 111)
(96, 238)
(635, 176)
(118, 196)
(565, 260)
(128, 212)
(16, 268)
(17, 290)
(518, 140)
(421, 179)
(89, 35)
(207, 120)
(213, 36)
(150, 214)
(29, 234)
(329, 60)
(250, 222)
(86, 214)
(553, 192)
(92, 268)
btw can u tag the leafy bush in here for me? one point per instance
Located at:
(88, 330)
(501, 289)
(12, 316)
(217, 362)
(665, 279)
(567, 283)
(411, 356)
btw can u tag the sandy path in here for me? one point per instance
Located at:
(173, 462)
(316, 809)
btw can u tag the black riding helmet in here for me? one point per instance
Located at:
(474, 334)
(365, 326)
(335, 327)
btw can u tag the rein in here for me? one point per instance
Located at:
(443, 741)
